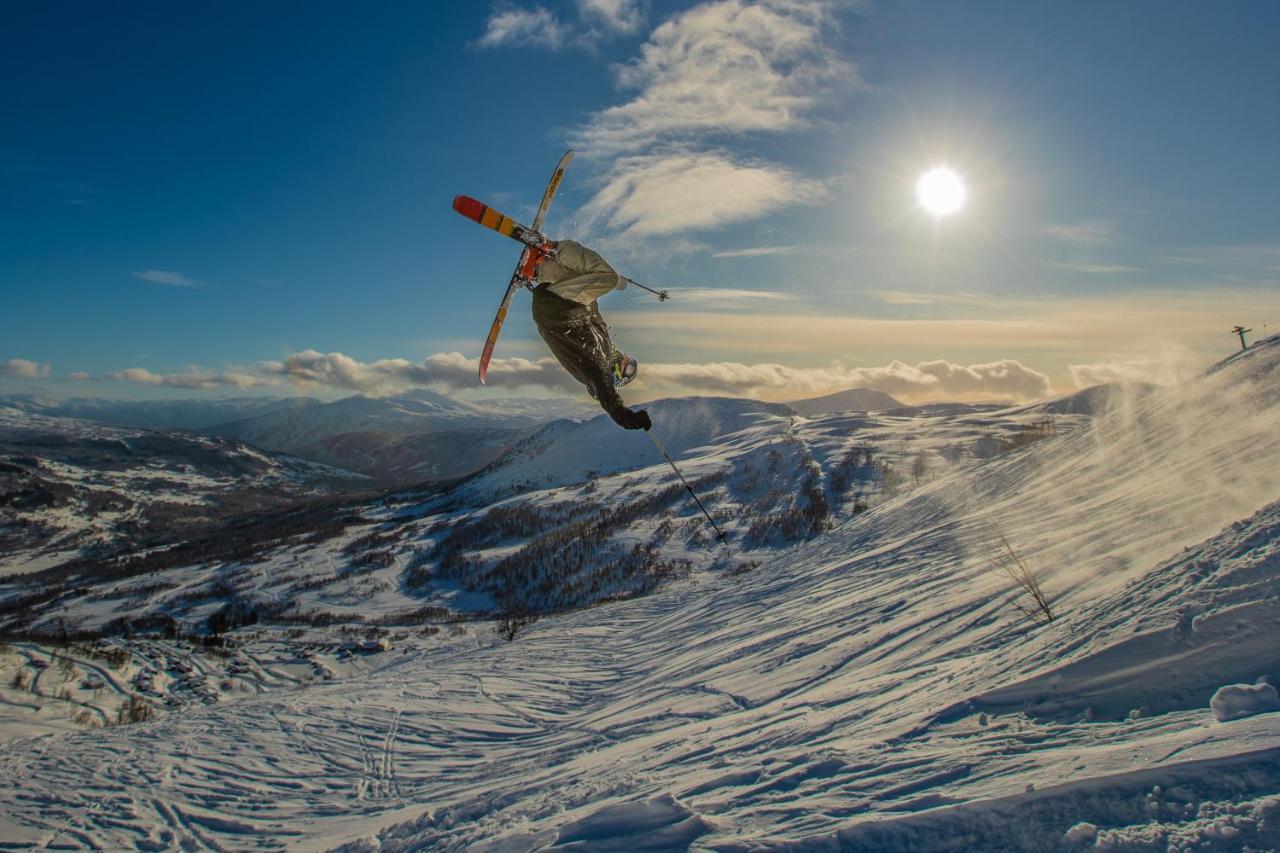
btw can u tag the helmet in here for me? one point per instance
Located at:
(624, 369)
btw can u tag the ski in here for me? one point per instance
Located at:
(478, 211)
(536, 248)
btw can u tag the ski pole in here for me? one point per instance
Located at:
(662, 295)
(663, 451)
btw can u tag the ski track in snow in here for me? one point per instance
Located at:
(861, 689)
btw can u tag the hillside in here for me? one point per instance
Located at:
(69, 487)
(854, 677)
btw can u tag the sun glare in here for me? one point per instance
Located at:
(940, 191)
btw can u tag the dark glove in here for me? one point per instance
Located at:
(631, 419)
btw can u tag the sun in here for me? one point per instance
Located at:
(941, 191)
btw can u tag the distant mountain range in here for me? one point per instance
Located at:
(417, 435)
(852, 400)
(414, 436)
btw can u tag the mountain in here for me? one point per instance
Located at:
(381, 437)
(69, 487)
(398, 438)
(852, 400)
(859, 667)
(192, 414)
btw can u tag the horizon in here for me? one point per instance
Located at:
(249, 202)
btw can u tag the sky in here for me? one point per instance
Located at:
(233, 199)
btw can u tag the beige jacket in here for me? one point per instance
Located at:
(578, 274)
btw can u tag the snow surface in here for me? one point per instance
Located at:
(871, 688)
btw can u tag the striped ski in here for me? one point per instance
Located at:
(534, 250)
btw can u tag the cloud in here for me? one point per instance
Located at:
(510, 26)
(932, 379)
(721, 296)
(619, 16)
(1088, 267)
(392, 375)
(20, 368)
(758, 251)
(722, 67)
(1259, 258)
(194, 378)
(80, 376)
(1007, 378)
(170, 278)
(1083, 235)
(648, 195)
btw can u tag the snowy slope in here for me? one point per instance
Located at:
(567, 452)
(872, 687)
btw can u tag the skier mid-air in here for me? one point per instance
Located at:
(566, 279)
(565, 310)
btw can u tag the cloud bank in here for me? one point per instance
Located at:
(194, 378)
(391, 375)
(311, 369)
(1005, 379)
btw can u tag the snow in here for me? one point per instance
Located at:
(869, 687)
(1233, 701)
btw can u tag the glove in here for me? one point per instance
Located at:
(630, 419)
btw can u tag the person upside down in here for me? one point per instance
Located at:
(565, 311)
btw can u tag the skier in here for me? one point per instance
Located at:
(565, 310)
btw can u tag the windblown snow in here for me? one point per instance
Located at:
(878, 681)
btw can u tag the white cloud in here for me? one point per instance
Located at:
(1083, 235)
(722, 296)
(723, 67)
(681, 191)
(392, 375)
(757, 252)
(193, 378)
(927, 380)
(620, 16)
(20, 368)
(171, 278)
(1006, 379)
(536, 27)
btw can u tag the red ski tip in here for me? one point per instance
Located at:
(469, 207)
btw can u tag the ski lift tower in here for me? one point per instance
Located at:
(1240, 330)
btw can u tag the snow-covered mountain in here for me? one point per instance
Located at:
(385, 438)
(70, 487)
(851, 400)
(854, 670)
(190, 413)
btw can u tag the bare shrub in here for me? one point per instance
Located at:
(85, 718)
(514, 620)
(1015, 568)
(135, 710)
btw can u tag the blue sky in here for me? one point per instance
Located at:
(249, 198)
